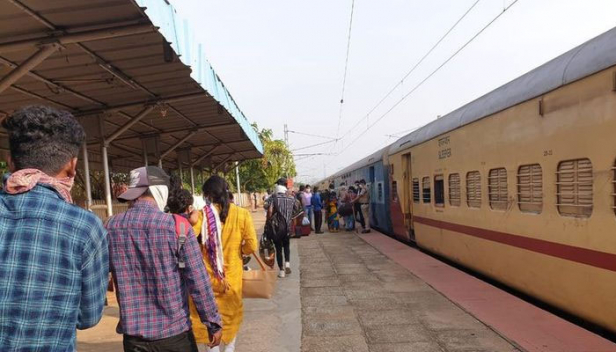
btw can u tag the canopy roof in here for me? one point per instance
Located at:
(131, 72)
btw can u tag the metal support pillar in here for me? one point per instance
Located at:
(86, 176)
(27, 66)
(106, 175)
(237, 179)
(181, 171)
(105, 156)
(192, 180)
(145, 157)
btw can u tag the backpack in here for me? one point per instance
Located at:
(181, 230)
(276, 227)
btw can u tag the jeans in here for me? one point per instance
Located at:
(184, 342)
(318, 220)
(308, 211)
(349, 222)
(283, 245)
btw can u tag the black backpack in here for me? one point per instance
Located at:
(276, 227)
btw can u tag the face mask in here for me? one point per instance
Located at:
(160, 194)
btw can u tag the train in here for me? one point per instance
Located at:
(518, 185)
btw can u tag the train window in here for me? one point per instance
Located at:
(497, 189)
(439, 191)
(454, 190)
(416, 190)
(574, 188)
(379, 191)
(530, 189)
(425, 185)
(473, 189)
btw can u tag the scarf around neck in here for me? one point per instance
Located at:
(25, 180)
(212, 237)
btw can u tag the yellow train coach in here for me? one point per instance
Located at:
(519, 184)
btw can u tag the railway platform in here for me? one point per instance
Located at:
(353, 292)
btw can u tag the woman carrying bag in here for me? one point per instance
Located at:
(228, 233)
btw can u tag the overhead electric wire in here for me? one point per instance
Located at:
(430, 75)
(312, 154)
(402, 133)
(314, 145)
(346, 68)
(393, 89)
(311, 135)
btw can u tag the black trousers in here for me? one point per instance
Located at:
(184, 342)
(359, 216)
(318, 220)
(283, 245)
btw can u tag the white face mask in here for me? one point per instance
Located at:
(160, 194)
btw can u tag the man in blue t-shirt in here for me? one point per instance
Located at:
(317, 207)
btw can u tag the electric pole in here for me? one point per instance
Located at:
(286, 142)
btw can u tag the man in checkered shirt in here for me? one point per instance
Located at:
(154, 275)
(53, 254)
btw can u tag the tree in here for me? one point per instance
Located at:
(261, 174)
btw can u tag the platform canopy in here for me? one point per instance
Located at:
(131, 72)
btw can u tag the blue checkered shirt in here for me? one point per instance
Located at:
(54, 267)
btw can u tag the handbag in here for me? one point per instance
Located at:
(259, 283)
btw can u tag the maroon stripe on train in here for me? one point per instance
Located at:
(580, 255)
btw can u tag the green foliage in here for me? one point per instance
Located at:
(261, 174)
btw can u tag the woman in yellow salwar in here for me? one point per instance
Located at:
(227, 233)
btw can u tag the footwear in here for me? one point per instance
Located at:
(366, 231)
(281, 274)
(287, 268)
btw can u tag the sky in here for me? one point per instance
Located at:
(284, 62)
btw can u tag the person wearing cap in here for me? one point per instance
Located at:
(54, 261)
(154, 273)
(291, 209)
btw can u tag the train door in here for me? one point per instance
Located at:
(408, 195)
(372, 183)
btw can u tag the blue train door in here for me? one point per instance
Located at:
(372, 182)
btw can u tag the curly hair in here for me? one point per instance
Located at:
(217, 189)
(179, 199)
(43, 138)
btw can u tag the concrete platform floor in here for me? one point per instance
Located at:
(355, 299)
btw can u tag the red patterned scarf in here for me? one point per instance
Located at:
(24, 180)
